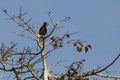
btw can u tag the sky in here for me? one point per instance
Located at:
(97, 21)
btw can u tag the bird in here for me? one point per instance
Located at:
(43, 29)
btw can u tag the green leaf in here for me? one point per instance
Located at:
(62, 77)
(30, 66)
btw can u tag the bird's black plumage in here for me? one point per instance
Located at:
(43, 29)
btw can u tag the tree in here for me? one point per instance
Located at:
(26, 64)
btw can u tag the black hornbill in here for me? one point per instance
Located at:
(43, 29)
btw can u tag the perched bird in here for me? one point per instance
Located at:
(43, 29)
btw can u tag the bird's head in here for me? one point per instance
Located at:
(45, 24)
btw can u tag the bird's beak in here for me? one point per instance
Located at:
(47, 26)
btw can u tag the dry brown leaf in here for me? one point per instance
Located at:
(79, 49)
(67, 35)
(54, 45)
(53, 38)
(86, 49)
(89, 46)
(74, 44)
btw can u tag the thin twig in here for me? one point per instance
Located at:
(103, 69)
(24, 25)
(94, 72)
(23, 35)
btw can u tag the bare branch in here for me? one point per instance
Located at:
(24, 23)
(49, 14)
(23, 35)
(107, 76)
(94, 72)
(35, 76)
(103, 69)
(17, 74)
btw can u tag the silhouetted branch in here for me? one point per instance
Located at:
(103, 69)
(97, 72)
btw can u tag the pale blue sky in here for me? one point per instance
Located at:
(97, 20)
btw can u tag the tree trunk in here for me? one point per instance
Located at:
(42, 53)
(45, 71)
